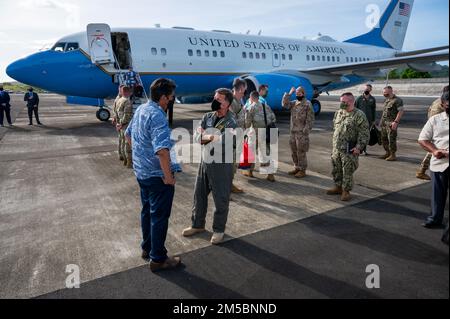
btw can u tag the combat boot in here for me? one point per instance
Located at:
(248, 173)
(300, 174)
(271, 178)
(385, 155)
(337, 190)
(236, 190)
(392, 158)
(421, 175)
(129, 163)
(346, 196)
(294, 172)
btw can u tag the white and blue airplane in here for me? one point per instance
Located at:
(86, 65)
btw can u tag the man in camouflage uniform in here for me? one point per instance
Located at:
(124, 116)
(390, 120)
(302, 120)
(114, 120)
(368, 104)
(435, 109)
(239, 88)
(351, 135)
(255, 119)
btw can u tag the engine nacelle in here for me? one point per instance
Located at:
(278, 85)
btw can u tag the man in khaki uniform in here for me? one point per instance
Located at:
(239, 88)
(255, 119)
(302, 120)
(435, 109)
(124, 116)
(114, 120)
(390, 120)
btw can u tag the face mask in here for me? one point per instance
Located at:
(216, 105)
(265, 95)
(343, 106)
(386, 95)
(300, 98)
(367, 92)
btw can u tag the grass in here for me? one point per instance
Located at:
(17, 87)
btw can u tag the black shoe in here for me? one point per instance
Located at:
(433, 225)
(30, 124)
(145, 255)
(170, 263)
(40, 123)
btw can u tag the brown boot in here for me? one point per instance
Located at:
(385, 156)
(300, 174)
(248, 173)
(236, 190)
(294, 172)
(271, 178)
(421, 175)
(337, 190)
(170, 263)
(346, 196)
(392, 158)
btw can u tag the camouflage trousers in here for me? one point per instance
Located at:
(299, 147)
(125, 148)
(344, 166)
(389, 138)
(120, 150)
(425, 166)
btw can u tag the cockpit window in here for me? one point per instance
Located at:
(72, 46)
(65, 47)
(59, 47)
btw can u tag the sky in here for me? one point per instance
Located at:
(26, 26)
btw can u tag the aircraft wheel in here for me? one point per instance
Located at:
(317, 107)
(103, 115)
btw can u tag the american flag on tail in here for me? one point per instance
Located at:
(405, 9)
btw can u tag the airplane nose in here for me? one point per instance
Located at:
(14, 70)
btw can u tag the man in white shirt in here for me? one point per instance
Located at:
(435, 139)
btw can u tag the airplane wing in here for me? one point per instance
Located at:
(416, 61)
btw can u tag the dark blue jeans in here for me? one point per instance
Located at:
(439, 196)
(157, 201)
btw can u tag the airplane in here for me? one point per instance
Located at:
(87, 66)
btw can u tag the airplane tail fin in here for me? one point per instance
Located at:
(391, 29)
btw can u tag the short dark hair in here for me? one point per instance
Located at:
(254, 95)
(445, 89)
(139, 91)
(127, 89)
(239, 83)
(444, 97)
(227, 93)
(349, 94)
(389, 87)
(369, 85)
(161, 87)
(263, 87)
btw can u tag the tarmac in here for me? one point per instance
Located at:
(67, 200)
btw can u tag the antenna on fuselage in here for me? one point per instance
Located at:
(248, 32)
(260, 32)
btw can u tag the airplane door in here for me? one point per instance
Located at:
(100, 44)
(276, 59)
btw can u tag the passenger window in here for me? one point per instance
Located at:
(308, 58)
(215, 54)
(199, 53)
(328, 59)
(283, 56)
(154, 51)
(251, 55)
(351, 59)
(323, 58)
(333, 59)
(206, 53)
(258, 55)
(264, 56)
(190, 53)
(222, 54)
(244, 55)
(277, 56)
(313, 58)
(318, 58)
(339, 59)
(291, 57)
(163, 51)
(346, 58)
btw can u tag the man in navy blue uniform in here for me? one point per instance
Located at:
(32, 100)
(5, 107)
